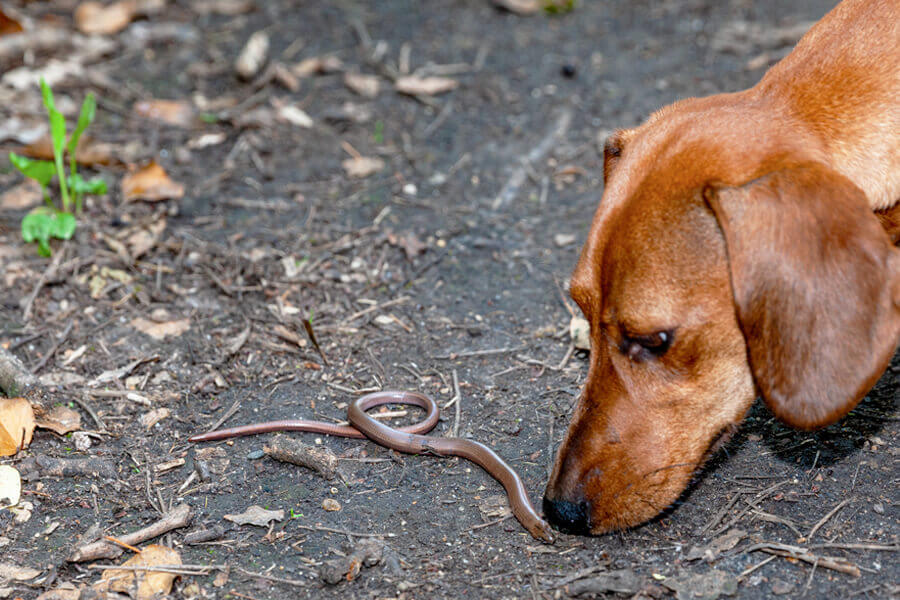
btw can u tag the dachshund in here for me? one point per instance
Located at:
(743, 246)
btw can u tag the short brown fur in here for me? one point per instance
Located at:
(757, 228)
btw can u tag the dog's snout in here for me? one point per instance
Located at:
(570, 517)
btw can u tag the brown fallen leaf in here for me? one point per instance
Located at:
(16, 425)
(317, 65)
(8, 24)
(142, 585)
(95, 18)
(520, 7)
(149, 419)
(140, 240)
(150, 183)
(159, 331)
(61, 419)
(364, 85)
(24, 195)
(88, 153)
(174, 112)
(65, 591)
(256, 515)
(412, 246)
(362, 166)
(424, 86)
(11, 572)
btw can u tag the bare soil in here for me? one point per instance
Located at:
(272, 231)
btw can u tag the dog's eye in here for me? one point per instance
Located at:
(639, 347)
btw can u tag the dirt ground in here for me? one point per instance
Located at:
(448, 262)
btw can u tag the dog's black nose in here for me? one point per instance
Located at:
(570, 517)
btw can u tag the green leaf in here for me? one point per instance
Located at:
(88, 110)
(57, 131)
(40, 170)
(63, 226)
(91, 186)
(47, 93)
(42, 223)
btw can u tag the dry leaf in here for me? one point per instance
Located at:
(22, 131)
(8, 24)
(143, 585)
(150, 183)
(141, 240)
(253, 55)
(174, 112)
(95, 18)
(364, 85)
(159, 331)
(149, 419)
(16, 425)
(10, 486)
(317, 65)
(256, 515)
(294, 115)
(89, 152)
(412, 246)
(11, 572)
(362, 166)
(65, 591)
(24, 195)
(520, 7)
(61, 419)
(424, 86)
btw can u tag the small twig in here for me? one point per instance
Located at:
(59, 342)
(373, 308)
(345, 532)
(749, 570)
(456, 406)
(48, 273)
(488, 524)
(110, 538)
(228, 414)
(469, 354)
(824, 519)
(834, 563)
(175, 519)
(90, 411)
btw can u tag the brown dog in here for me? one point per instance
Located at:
(737, 250)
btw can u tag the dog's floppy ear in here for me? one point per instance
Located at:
(816, 286)
(612, 150)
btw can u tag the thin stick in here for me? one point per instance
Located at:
(824, 519)
(492, 351)
(49, 272)
(456, 407)
(828, 562)
(345, 532)
(59, 342)
(373, 308)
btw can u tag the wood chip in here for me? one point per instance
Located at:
(424, 86)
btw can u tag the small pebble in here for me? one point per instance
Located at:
(255, 454)
(878, 507)
(410, 189)
(331, 505)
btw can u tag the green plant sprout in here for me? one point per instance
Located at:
(48, 221)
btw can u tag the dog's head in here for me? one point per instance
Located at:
(718, 265)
